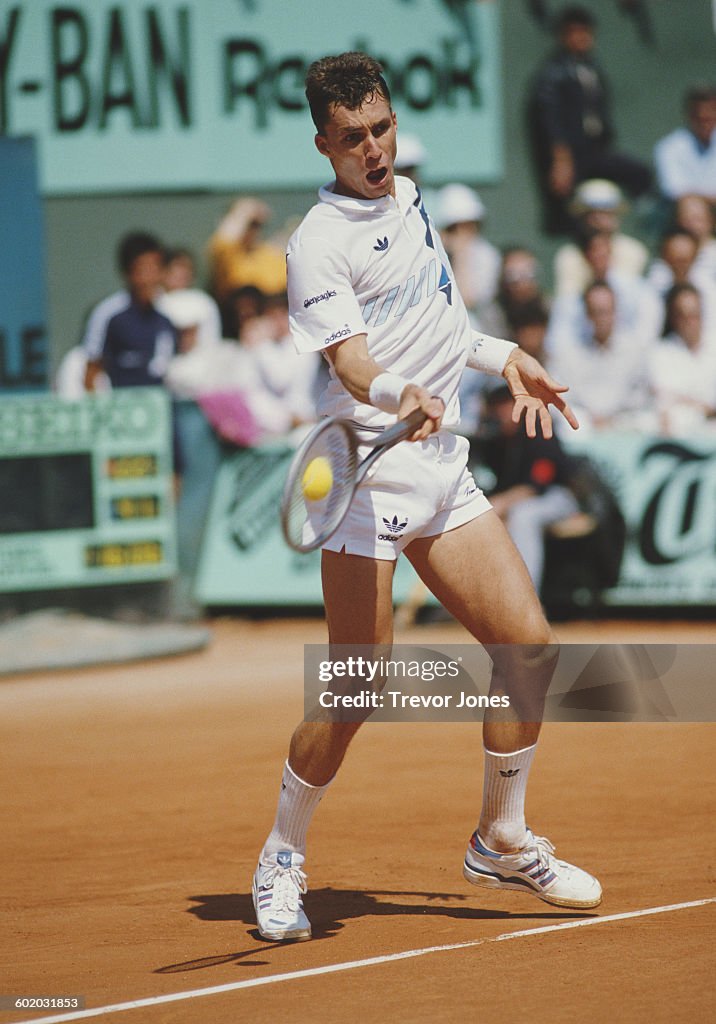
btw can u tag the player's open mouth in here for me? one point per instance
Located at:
(375, 177)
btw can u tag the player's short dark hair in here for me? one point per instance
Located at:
(575, 14)
(347, 80)
(134, 245)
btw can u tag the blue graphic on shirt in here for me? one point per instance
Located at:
(400, 298)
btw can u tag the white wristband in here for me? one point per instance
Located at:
(488, 354)
(386, 390)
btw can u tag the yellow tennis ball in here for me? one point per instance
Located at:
(317, 479)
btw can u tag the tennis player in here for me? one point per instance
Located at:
(370, 286)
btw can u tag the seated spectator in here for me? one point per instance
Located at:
(605, 368)
(192, 311)
(685, 159)
(239, 256)
(128, 340)
(286, 374)
(242, 307)
(639, 308)
(677, 264)
(255, 388)
(570, 122)
(127, 337)
(531, 491)
(518, 287)
(528, 328)
(598, 205)
(410, 157)
(683, 365)
(459, 216)
(696, 215)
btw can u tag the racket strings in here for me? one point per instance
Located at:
(307, 523)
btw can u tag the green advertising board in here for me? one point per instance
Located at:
(125, 95)
(85, 490)
(666, 488)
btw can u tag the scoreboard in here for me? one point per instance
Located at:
(86, 490)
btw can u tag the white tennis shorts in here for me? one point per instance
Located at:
(417, 489)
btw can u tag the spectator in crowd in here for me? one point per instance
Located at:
(410, 157)
(606, 367)
(239, 256)
(598, 205)
(677, 264)
(254, 387)
(695, 214)
(685, 159)
(241, 309)
(528, 328)
(518, 286)
(683, 365)
(126, 336)
(192, 311)
(639, 308)
(531, 491)
(284, 373)
(459, 216)
(571, 123)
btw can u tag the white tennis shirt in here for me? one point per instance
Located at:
(377, 267)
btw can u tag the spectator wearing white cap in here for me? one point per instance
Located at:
(598, 205)
(410, 157)
(459, 216)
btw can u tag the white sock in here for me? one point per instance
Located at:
(296, 804)
(502, 819)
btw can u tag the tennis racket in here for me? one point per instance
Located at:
(324, 474)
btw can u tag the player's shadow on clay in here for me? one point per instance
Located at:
(330, 908)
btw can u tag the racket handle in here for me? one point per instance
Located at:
(403, 428)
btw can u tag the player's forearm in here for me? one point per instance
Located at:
(367, 381)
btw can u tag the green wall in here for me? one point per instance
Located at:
(648, 80)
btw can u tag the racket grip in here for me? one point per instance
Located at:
(403, 428)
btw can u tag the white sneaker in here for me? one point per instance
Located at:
(277, 890)
(533, 869)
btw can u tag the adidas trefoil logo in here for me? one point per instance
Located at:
(394, 527)
(382, 244)
(509, 772)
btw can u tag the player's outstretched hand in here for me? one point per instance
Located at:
(534, 391)
(414, 397)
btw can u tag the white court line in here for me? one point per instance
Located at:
(349, 965)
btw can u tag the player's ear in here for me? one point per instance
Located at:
(321, 144)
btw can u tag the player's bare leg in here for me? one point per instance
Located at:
(477, 574)
(359, 610)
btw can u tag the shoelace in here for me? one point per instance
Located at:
(288, 884)
(545, 853)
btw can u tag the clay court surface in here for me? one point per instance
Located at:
(135, 799)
